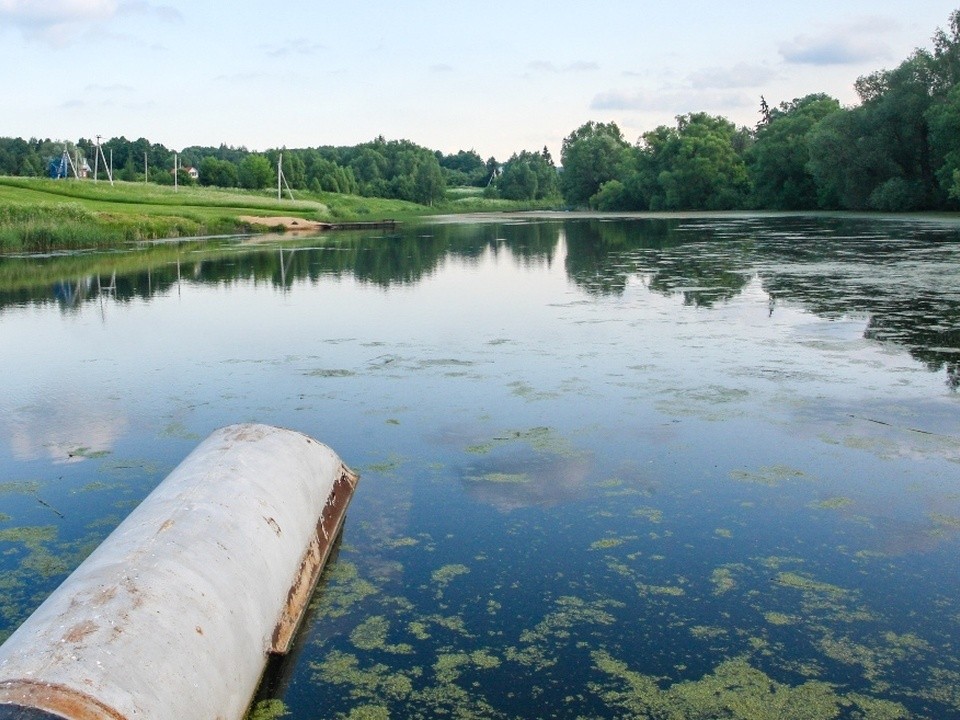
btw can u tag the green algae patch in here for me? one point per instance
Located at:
(443, 576)
(723, 533)
(329, 373)
(373, 683)
(401, 542)
(272, 709)
(500, 478)
(779, 618)
(30, 535)
(807, 584)
(722, 580)
(733, 691)
(832, 503)
(606, 543)
(770, 476)
(648, 513)
(20, 487)
(343, 590)
(668, 590)
(371, 634)
(369, 712)
(707, 632)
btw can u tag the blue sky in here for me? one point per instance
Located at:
(494, 76)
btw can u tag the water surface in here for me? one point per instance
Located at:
(700, 467)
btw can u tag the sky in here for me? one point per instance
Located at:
(497, 76)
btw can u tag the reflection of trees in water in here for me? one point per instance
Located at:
(674, 257)
(831, 265)
(401, 258)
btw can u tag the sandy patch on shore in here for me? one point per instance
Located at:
(287, 223)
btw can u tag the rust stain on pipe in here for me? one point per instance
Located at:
(314, 560)
(56, 699)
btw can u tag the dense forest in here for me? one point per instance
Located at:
(897, 150)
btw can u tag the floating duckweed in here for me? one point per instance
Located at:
(369, 712)
(20, 487)
(453, 623)
(344, 590)
(832, 503)
(649, 513)
(606, 543)
(30, 535)
(722, 579)
(801, 582)
(706, 632)
(571, 612)
(268, 710)
(374, 683)
(500, 478)
(371, 634)
(770, 476)
(442, 576)
(402, 542)
(418, 630)
(734, 690)
(723, 532)
(387, 467)
(329, 373)
(779, 618)
(671, 590)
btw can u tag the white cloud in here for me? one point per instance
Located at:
(296, 46)
(54, 12)
(855, 42)
(677, 102)
(575, 67)
(741, 75)
(141, 7)
(60, 22)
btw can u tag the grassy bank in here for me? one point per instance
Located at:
(42, 215)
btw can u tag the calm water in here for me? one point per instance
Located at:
(687, 468)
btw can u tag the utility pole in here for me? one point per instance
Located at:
(176, 180)
(96, 161)
(145, 171)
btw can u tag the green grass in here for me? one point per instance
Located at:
(42, 215)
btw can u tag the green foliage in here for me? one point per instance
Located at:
(256, 172)
(699, 165)
(528, 176)
(778, 160)
(591, 155)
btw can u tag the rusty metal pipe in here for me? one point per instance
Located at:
(175, 614)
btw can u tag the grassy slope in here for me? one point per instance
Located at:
(39, 214)
(42, 214)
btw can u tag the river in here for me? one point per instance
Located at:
(610, 468)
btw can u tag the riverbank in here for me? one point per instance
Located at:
(42, 215)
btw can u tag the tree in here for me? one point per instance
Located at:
(256, 173)
(699, 165)
(528, 176)
(591, 155)
(778, 160)
(429, 186)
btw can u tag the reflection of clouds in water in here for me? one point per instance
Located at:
(65, 430)
(524, 477)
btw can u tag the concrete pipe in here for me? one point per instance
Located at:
(175, 614)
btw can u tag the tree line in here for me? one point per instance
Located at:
(897, 150)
